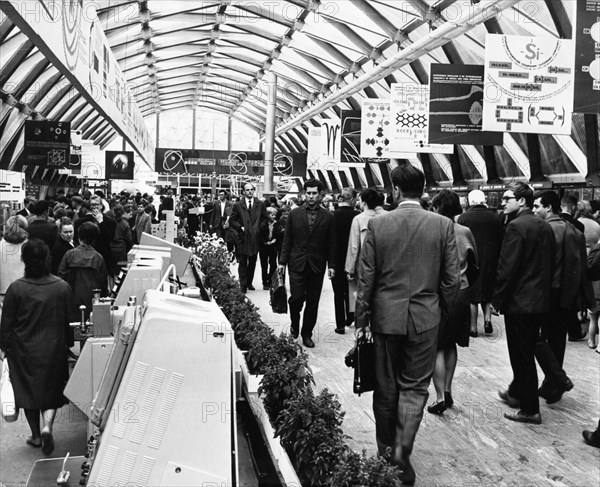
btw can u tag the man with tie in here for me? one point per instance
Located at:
(309, 246)
(246, 217)
(221, 211)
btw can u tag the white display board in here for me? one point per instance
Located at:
(325, 145)
(528, 84)
(12, 186)
(375, 128)
(409, 113)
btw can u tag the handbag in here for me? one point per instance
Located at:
(362, 358)
(7, 396)
(278, 294)
(473, 270)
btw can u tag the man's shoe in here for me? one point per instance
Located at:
(555, 395)
(576, 338)
(521, 417)
(592, 438)
(251, 288)
(294, 332)
(408, 475)
(508, 399)
(340, 331)
(349, 321)
(308, 343)
(243, 289)
(487, 328)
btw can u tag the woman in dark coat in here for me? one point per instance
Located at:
(487, 230)
(33, 337)
(63, 243)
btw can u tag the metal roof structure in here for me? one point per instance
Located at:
(327, 55)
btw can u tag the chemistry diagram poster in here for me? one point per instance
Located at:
(375, 129)
(456, 106)
(587, 60)
(528, 84)
(409, 117)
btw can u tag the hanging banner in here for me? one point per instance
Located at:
(47, 144)
(324, 146)
(375, 129)
(587, 59)
(119, 165)
(456, 106)
(409, 111)
(528, 84)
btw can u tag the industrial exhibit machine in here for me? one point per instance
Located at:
(156, 380)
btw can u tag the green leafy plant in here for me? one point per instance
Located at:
(358, 470)
(310, 428)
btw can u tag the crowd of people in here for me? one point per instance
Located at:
(410, 272)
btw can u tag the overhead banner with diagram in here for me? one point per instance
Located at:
(48, 144)
(324, 146)
(528, 84)
(409, 112)
(375, 129)
(119, 165)
(587, 59)
(456, 106)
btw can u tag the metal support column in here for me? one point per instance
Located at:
(157, 129)
(593, 149)
(194, 128)
(535, 158)
(270, 130)
(229, 127)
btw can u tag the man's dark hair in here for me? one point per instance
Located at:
(369, 197)
(522, 190)
(313, 183)
(40, 207)
(118, 211)
(88, 233)
(550, 199)
(409, 179)
(447, 203)
(100, 193)
(35, 254)
(568, 201)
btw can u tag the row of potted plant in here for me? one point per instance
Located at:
(309, 425)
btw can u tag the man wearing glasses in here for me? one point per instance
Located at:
(522, 294)
(245, 218)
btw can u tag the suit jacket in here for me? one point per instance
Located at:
(217, 218)
(249, 219)
(408, 271)
(342, 218)
(525, 266)
(316, 247)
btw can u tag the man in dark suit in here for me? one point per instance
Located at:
(221, 211)
(522, 294)
(27, 203)
(246, 217)
(408, 273)
(568, 205)
(308, 247)
(342, 218)
(40, 227)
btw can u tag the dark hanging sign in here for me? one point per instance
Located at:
(47, 144)
(587, 57)
(119, 165)
(456, 106)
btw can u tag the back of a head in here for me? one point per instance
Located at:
(100, 193)
(447, 203)
(88, 233)
(15, 230)
(346, 196)
(549, 199)
(35, 254)
(409, 179)
(40, 208)
(569, 202)
(118, 211)
(369, 197)
(148, 209)
(476, 197)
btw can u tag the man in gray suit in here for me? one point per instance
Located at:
(408, 276)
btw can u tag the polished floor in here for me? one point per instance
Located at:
(472, 445)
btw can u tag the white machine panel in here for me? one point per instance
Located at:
(172, 421)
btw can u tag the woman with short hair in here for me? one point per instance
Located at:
(34, 339)
(12, 268)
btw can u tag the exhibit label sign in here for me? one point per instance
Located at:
(409, 113)
(528, 84)
(456, 106)
(587, 60)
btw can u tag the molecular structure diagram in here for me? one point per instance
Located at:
(412, 120)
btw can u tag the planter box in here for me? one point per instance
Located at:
(280, 457)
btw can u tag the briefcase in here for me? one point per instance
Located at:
(278, 299)
(362, 358)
